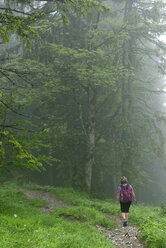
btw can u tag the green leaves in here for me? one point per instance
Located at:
(81, 7)
(17, 153)
(20, 25)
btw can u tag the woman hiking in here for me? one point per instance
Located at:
(125, 195)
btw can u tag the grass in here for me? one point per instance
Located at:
(77, 198)
(22, 224)
(150, 220)
(85, 214)
(37, 203)
(49, 232)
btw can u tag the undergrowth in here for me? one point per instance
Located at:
(152, 223)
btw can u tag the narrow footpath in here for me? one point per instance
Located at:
(121, 237)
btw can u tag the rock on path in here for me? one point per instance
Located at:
(121, 237)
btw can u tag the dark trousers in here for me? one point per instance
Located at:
(125, 206)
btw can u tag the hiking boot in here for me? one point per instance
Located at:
(124, 222)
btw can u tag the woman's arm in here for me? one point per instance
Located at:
(133, 194)
(117, 197)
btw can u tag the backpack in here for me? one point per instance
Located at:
(125, 194)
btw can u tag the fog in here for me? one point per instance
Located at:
(83, 95)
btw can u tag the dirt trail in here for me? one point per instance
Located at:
(51, 200)
(121, 237)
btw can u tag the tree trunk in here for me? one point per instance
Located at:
(91, 137)
(127, 88)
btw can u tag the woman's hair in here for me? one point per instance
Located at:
(123, 180)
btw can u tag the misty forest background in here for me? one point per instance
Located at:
(82, 94)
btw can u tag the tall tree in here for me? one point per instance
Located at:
(141, 51)
(18, 17)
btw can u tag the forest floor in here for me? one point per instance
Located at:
(122, 237)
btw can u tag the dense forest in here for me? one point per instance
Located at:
(82, 94)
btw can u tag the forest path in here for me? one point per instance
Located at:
(121, 237)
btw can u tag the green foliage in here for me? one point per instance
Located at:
(18, 24)
(163, 209)
(152, 225)
(153, 233)
(80, 7)
(18, 152)
(107, 56)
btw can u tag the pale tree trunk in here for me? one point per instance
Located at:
(127, 85)
(91, 137)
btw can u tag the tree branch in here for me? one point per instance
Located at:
(15, 10)
(13, 110)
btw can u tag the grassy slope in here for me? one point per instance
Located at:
(149, 219)
(22, 225)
